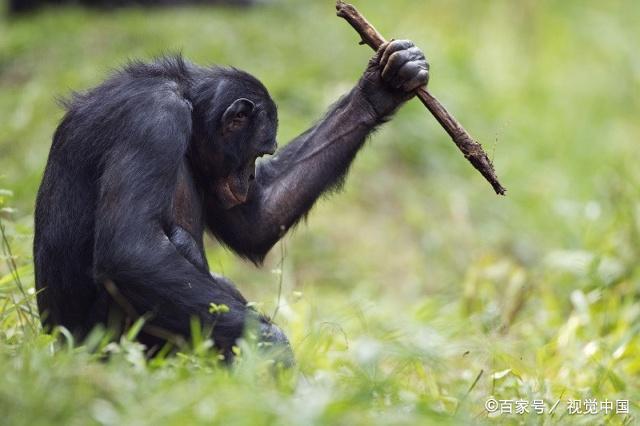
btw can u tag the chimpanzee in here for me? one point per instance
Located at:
(144, 163)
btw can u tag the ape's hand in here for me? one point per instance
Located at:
(402, 65)
(394, 73)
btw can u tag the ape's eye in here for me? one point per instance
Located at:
(241, 114)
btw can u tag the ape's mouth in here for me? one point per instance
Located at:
(228, 197)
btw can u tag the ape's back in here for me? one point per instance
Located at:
(63, 241)
(65, 207)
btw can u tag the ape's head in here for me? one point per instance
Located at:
(235, 122)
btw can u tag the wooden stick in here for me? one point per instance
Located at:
(471, 149)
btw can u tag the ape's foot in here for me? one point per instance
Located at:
(275, 343)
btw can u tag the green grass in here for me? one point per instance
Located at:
(416, 294)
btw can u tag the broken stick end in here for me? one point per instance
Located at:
(340, 5)
(345, 10)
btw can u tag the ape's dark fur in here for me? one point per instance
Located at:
(133, 180)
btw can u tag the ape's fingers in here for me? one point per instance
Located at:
(420, 79)
(396, 61)
(380, 52)
(408, 72)
(392, 47)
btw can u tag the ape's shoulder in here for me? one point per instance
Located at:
(135, 82)
(169, 67)
(140, 102)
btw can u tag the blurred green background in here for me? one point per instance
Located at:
(414, 295)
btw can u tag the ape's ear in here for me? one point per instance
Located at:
(237, 115)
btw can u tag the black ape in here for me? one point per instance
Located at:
(141, 165)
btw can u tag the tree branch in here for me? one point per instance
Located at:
(471, 149)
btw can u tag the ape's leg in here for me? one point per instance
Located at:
(189, 248)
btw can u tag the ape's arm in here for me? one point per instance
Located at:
(287, 185)
(134, 222)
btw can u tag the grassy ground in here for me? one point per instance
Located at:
(416, 294)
